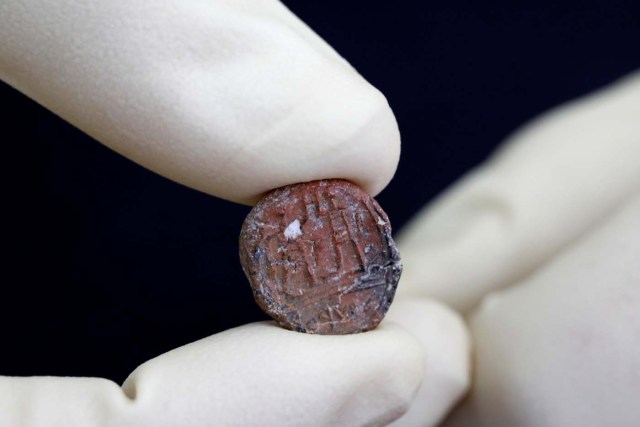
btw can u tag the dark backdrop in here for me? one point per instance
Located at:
(108, 265)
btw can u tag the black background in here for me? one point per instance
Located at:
(108, 265)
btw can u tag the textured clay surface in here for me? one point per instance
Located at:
(320, 257)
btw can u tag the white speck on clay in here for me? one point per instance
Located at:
(293, 230)
(381, 221)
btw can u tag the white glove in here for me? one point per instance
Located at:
(233, 98)
(549, 232)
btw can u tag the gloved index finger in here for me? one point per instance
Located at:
(229, 97)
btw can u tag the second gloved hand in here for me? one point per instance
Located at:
(541, 248)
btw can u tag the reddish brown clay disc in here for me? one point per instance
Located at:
(320, 257)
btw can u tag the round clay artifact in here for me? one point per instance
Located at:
(320, 257)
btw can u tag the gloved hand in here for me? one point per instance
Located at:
(541, 248)
(234, 98)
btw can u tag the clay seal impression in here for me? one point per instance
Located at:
(320, 257)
